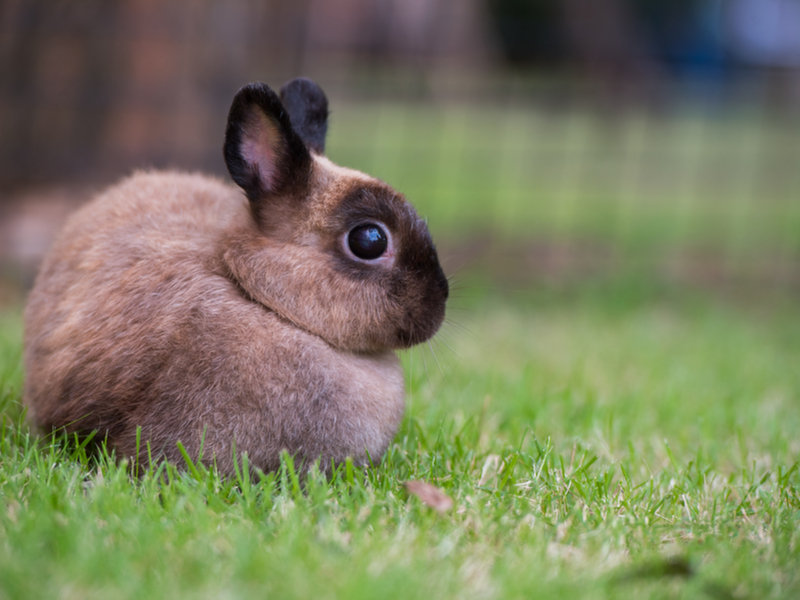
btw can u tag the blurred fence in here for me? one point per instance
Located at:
(535, 174)
(92, 87)
(700, 192)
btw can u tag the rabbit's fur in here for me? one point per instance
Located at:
(174, 303)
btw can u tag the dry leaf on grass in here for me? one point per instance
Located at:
(430, 495)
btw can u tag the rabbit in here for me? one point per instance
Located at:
(236, 322)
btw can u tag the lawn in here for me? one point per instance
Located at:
(603, 443)
(618, 437)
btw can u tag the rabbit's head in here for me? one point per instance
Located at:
(332, 250)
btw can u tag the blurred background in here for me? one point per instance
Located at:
(546, 141)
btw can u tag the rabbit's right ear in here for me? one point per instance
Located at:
(264, 154)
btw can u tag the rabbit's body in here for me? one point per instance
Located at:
(175, 304)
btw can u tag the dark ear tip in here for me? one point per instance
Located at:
(302, 87)
(256, 93)
(307, 106)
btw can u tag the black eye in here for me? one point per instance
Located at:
(367, 242)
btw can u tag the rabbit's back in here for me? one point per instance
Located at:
(134, 321)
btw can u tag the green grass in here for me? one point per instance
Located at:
(605, 443)
(620, 439)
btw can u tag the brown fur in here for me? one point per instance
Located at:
(166, 304)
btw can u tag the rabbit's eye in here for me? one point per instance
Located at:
(367, 242)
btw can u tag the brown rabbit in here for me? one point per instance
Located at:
(257, 322)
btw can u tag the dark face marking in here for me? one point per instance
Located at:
(413, 281)
(367, 203)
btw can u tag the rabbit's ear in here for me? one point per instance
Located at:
(264, 154)
(308, 110)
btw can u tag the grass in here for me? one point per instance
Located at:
(605, 443)
(615, 439)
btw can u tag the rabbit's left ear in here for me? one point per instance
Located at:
(264, 154)
(307, 106)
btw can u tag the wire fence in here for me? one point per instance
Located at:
(707, 191)
(527, 172)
